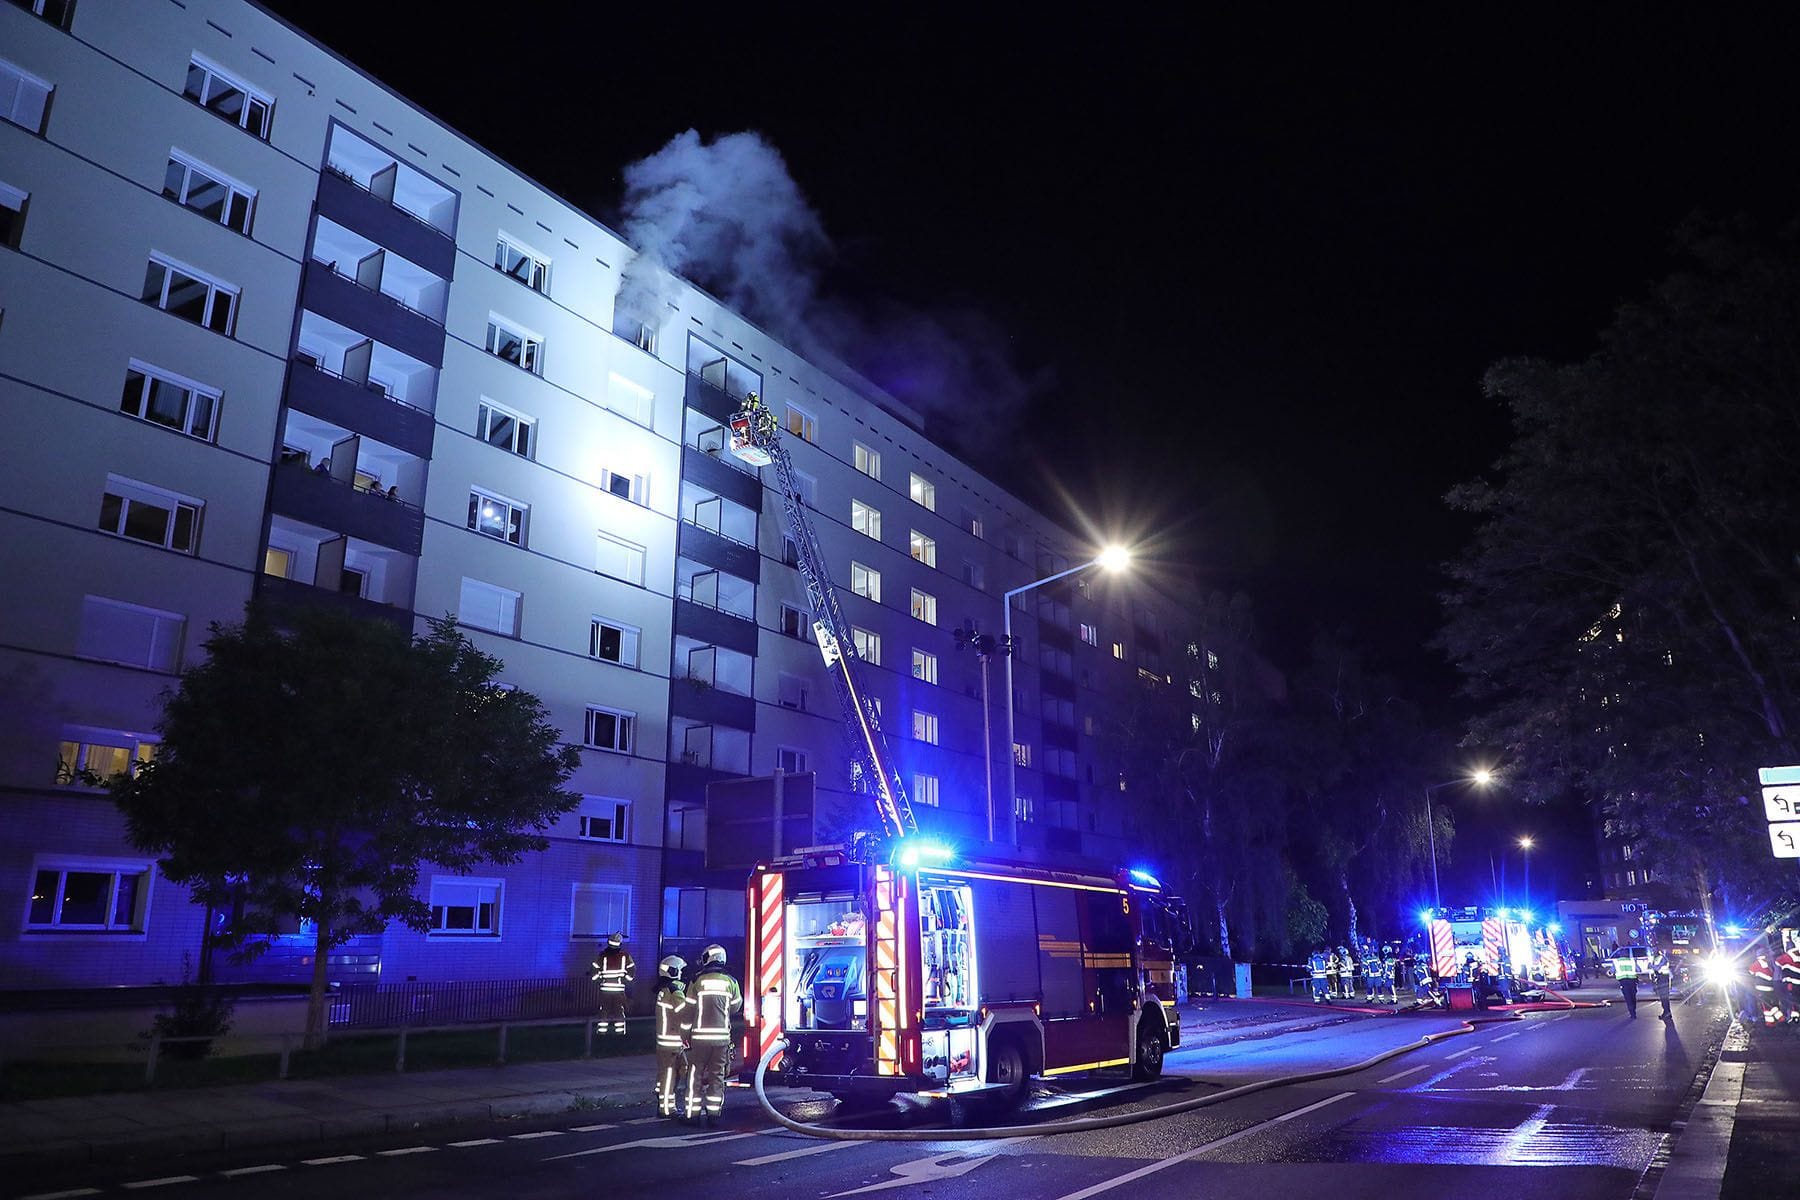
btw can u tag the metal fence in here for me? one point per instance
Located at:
(402, 1005)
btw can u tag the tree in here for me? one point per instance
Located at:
(307, 770)
(1625, 610)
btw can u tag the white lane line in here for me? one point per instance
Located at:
(805, 1152)
(542, 1133)
(646, 1121)
(1405, 1073)
(163, 1182)
(406, 1150)
(673, 1142)
(68, 1195)
(476, 1142)
(262, 1170)
(934, 1167)
(591, 1128)
(1503, 1037)
(326, 1162)
(1460, 1053)
(1162, 1164)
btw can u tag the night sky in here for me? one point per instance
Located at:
(1255, 271)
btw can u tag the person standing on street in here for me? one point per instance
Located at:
(1334, 970)
(613, 971)
(674, 1023)
(1316, 965)
(1627, 971)
(1661, 978)
(716, 996)
(1788, 966)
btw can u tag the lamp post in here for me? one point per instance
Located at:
(1525, 845)
(1113, 558)
(1480, 779)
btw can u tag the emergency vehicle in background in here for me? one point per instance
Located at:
(1496, 939)
(893, 965)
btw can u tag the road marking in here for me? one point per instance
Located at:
(68, 1195)
(1515, 1033)
(476, 1142)
(806, 1152)
(163, 1182)
(542, 1133)
(326, 1162)
(676, 1142)
(1405, 1073)
(264, 1169)
(646, 1120)
(1460, 1053)
(406, 1150)
(933, 1168)
(1162, 1164)
(592, 1128)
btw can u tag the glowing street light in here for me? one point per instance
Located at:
(1480, 778)
(1525, 845)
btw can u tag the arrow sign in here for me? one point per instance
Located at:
(1781, 803)
(1784, 839)
(1776, 776)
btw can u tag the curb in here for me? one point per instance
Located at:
(1691, 1164)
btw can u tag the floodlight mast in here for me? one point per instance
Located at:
(756, 439)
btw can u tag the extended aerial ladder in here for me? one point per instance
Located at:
(756, 439)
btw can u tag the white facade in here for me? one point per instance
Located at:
(394, 385)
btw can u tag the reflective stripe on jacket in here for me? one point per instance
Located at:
(715, 996)
(614, 970)
(674, 1018)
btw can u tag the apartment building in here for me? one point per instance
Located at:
(268, 330)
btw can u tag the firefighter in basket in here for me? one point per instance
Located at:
(674, 1023)
(614, 971)
(1318, 966)
(715, 996)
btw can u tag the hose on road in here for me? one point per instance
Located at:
(1081, 1124)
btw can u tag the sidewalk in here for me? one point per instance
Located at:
(1764, 1158)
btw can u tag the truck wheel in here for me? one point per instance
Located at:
(1007, 1069)
(1148, 1063)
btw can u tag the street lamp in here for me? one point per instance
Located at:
(1480, 778)
(1112, 558)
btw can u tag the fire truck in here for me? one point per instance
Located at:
(895, 965)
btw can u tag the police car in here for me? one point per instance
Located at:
(1638, 955)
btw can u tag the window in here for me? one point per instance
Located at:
(517, 347)
(791, 692)
(1118, 650)
(1631, 878)
(502, 427)
(209, 192)
(865, 519)
(165, 399)
(790, 551)
(925, 790)
(1212, 661)
(598, 910)
(1013, 547)
(613, 643)
(865, 582)
(24, 98)
(102, 756)
(973, 575)
(1023, 809)
(57, 12)
(605, 819)
(149, 514)
(924, 607)
(807, 487)
(217, 92)
(497, 517)
(96, 896)
(790, 760)
(925, 666)
(526, 266)
(484, 606)
(632, 401)
(619, 558)
(971, 522)
(465, 907)
(609, 729)
(1090, 634)
(278, 561)
(923, 548)
(1022, 754)
(866, 460)
(924, 492)
(795, 624)
(801, 424)
(868, 645)
(925, 727)
(703, 912)
(635, 488)
(186, 293)
(12, 215)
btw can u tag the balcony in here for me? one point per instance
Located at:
(711, 705)
(363, 408)
(350, 204)
(737, 486)
(714, 402)
(715, 626)
(371, 312)
(327, 503)
(716, 550)
(282, 593)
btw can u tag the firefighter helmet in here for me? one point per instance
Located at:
(671, 967)
(614, 940)
(713, 955)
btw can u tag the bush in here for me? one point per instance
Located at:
(198, 1012)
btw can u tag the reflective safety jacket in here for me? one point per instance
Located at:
(614, 970)
(1789, 963)
(715, 996)
(674, 1017)
(1761, 977)
(1316, 964)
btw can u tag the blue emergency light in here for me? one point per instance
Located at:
(914, 851)
(1146, 878)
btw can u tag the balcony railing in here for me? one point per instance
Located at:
(369, 384)
(339, 173)
(376, 291)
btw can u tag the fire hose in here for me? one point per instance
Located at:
(1080, 1124)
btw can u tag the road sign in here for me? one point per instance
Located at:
(1776, 776)
(1784, 839)
(1781, 803)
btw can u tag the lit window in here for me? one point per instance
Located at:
(148, 514)
(924, 666)
(209, 192)
(1118, 649)
(1090, 634)
(514, 345)
(924, 607)
(924, 492)
(971, 522)
(791, 691)
(610, 729)
(510, 431)
(232, 99)
(867, 461)
(92, 762)
(598, 910)
(57, 12)
(465, 907)
(278, 561)
(865, 519)
(865, 582)
(635, 488)
(484, 606)
(619, 558)
(614, 643)
(1023, 808)
(790, 760)
(923, 548)
(186, 293)
(801, 424)
(925, 790)
(12, 215)
(925, 727)
(1022, 754)
(166, 399)
(868, 645)
(630, 400)
(604, 819)
(90, 896)
(497, 517)
(526, 266)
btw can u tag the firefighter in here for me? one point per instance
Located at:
(1348, 971)
(674, 1023)
(1788, 966)
(1660, 978)
(1503, 978)
(1334, 970)
(1423, 991)
(1390, 972)
(614, 971)
(1319, 965)
(1762, 981)
(715, 995)
(1371, 963)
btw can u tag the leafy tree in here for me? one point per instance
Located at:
(1626, 608)
(308, 769)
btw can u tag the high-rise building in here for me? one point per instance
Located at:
(268, 330)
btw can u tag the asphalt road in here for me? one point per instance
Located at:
(1566, 1105)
